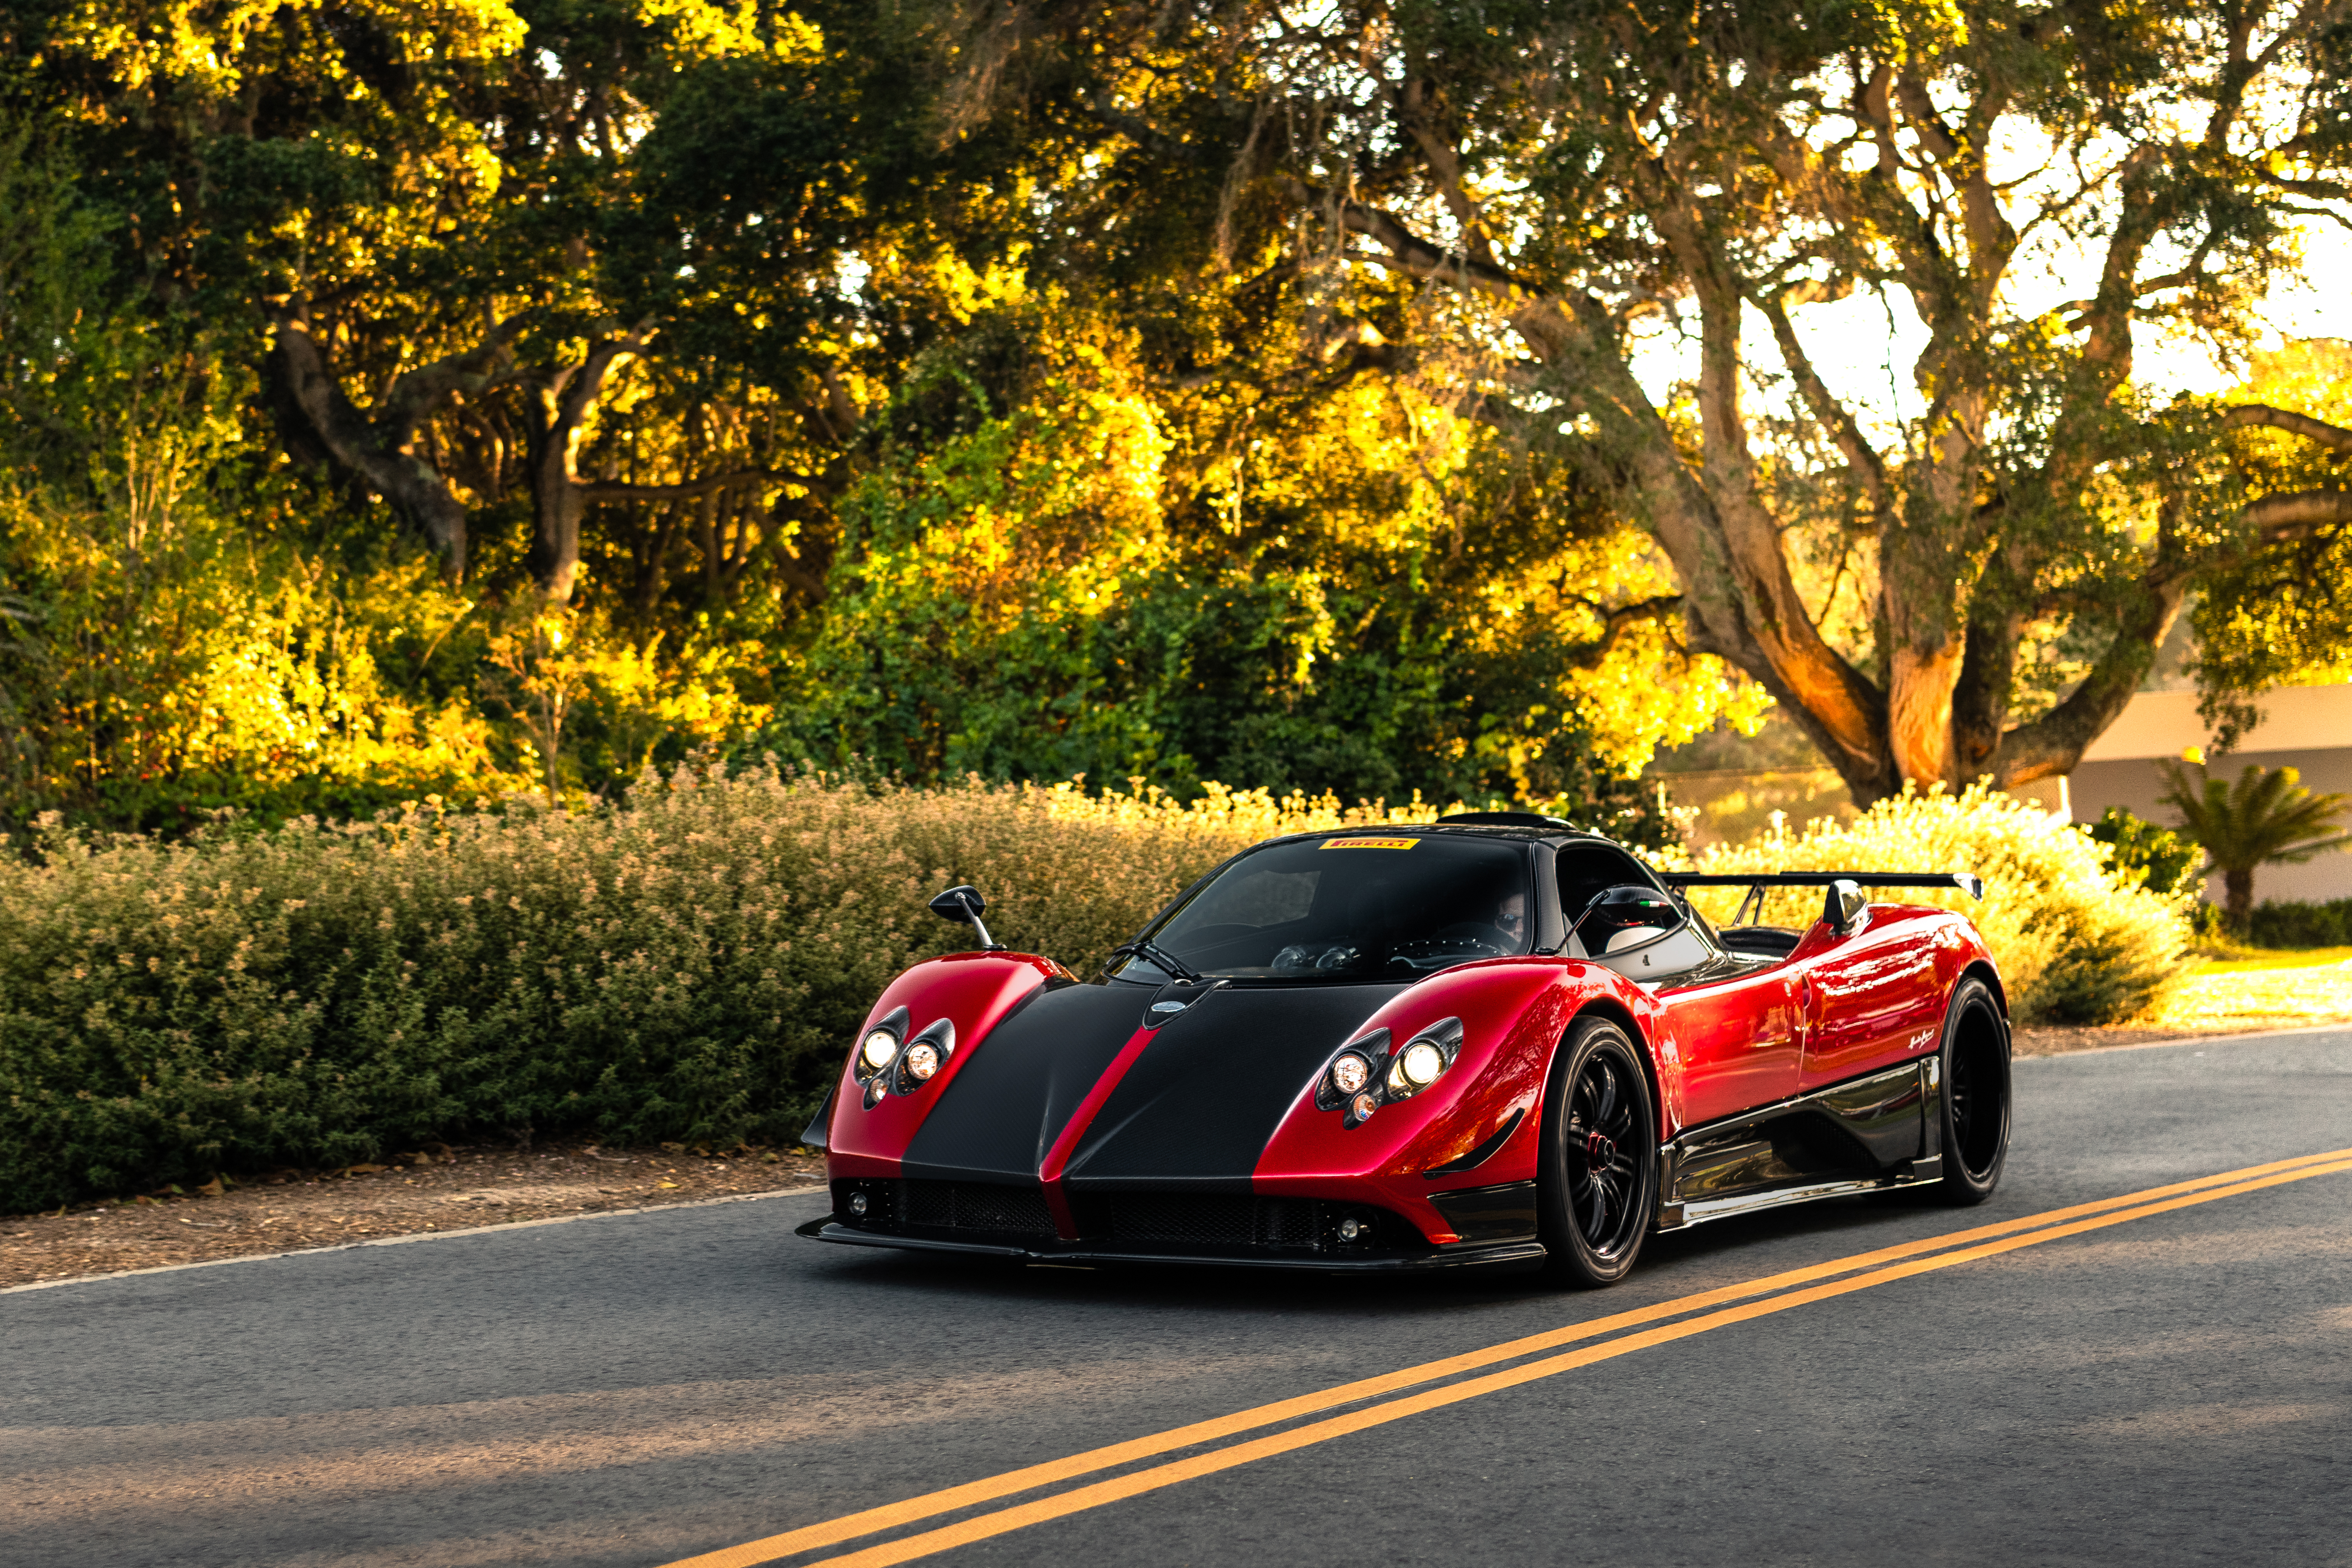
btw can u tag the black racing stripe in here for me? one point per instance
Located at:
(1198, 1107)
(1004, 1107)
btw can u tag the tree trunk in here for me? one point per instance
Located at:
(375, 445)
(2237, 890)
(558, 495)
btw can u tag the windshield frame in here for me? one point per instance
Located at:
(1541, 935)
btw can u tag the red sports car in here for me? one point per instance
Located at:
(1489, 1040)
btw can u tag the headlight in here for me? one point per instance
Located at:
(1350, 1073)
(879, 1048)
(1420, 1064)
(922, 1060)
(1364, 1105)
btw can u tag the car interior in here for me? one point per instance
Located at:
(1649, 941)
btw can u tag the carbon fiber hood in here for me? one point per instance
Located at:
(1195, 1108)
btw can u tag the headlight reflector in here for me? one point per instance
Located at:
(1350, 1073)
(879, 1048)
(1420, 1064)
(922, 1060)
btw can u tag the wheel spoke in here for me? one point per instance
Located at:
(1603, 1154)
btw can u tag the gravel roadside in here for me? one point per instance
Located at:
(439, 1188)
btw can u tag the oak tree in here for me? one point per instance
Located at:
(1591, 179)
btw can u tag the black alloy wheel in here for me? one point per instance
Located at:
(1598, 1185)
(1975, 1063)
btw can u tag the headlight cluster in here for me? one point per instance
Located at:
(1367, 1074)
(887, 1062)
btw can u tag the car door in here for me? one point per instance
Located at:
(1863, 997)
(1739, 1042)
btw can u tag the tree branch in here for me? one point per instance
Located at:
(417, 393)
(1833, 415)
(1407, 251)
(608, 489)
(2283, 519)
(2335, 437)
(1616, 622)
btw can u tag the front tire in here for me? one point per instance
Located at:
(1976, 1096)
(1596, 1182)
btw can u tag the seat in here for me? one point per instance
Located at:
(1761, 942)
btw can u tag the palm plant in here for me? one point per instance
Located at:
(2266, 817)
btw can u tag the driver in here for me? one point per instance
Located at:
(1511, 917)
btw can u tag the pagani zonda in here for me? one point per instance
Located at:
(1489, 1040)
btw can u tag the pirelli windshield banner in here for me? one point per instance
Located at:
(1369, 843)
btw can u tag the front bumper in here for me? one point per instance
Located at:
(1504, 1255)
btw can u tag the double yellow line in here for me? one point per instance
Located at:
(1795, 1287)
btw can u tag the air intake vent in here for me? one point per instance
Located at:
(974, 1205)
(1187, 1219)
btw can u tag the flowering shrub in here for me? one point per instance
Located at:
(2077, 941)
(689, 967)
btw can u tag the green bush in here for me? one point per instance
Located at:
(2076, 940)
(2303, 925)
(688, 967)
(2165, 861)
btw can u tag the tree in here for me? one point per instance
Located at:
(2281, 616)
(1586, 177)
(1063, 557)
(2266, 817)
(439, 218)
(700, 323)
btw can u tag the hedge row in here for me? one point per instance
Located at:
(2303, 925)
(687, 967)
(690, 966)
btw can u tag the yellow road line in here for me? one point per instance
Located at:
(848, 1527)
(1062, 1504)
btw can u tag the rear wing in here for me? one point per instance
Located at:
(1844, 900)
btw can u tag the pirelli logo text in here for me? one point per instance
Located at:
(1369, 843)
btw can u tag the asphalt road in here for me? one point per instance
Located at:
(2173, 1388)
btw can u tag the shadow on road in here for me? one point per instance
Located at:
(1672, 1263)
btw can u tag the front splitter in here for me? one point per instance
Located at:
(1503, 1254)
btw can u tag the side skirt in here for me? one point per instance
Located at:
(1874, 1133)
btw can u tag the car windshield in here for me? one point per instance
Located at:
(1358, 907)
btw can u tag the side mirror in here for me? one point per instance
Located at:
(963, 904)
(1844, 907)
(1623, 918)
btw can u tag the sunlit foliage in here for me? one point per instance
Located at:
(499, 397)
(2078, 941)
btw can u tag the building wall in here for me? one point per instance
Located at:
(2308, 729)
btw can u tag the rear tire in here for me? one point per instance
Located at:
(1597, 1179)
(1975, 1099)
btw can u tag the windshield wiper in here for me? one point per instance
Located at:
(1141, 948)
